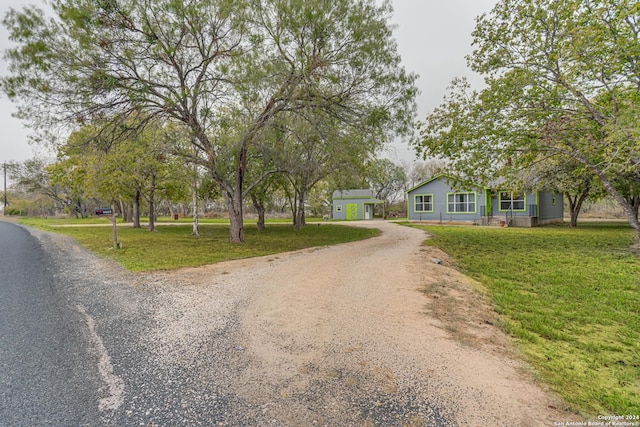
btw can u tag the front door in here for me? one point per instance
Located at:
(367, 211)
(352, 211)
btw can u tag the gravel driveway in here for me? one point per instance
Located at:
(370, 333)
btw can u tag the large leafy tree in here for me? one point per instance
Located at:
(317, 63)
(563, 79)
(202, 63)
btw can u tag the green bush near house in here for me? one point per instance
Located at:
(571, 300)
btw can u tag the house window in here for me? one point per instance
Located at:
(338, 208)
(461, 203)
(511, 201)
(423, 203)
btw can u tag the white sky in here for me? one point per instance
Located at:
(433, 38)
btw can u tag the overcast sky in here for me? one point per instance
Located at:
(433, 38)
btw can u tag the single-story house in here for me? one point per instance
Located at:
(437, 199)
(354, 204)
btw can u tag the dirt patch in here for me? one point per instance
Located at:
(460, 305)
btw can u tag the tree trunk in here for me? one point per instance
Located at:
(77, 209)
(630, 213)
(129, 209)
(632, 216)
(634, 202)
(235, 197)
(195, 231)
(136, 210)
(300, 220)
(236, 225)
(152, 208)
(575, 205)
(84, 209)
(123, 211)
(293, 206)
(260, 210)
(114, 228)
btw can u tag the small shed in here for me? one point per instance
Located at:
(354, 204)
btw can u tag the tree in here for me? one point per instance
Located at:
(564, 175)
(418, 172)
(195, 228)
(202, 63)
(387, 180)
(178, 144)
(35, 190)
(628, 186)
(320, 58)
(260, 192)
(94, 173)
(313, 146)
(134, 169)
(59, 182)
(563, 79)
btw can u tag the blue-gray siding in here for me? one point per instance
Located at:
(340, 207)
(551, 207)
(354, 204)
(439, 190)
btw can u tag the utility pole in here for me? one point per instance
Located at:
(4, 210)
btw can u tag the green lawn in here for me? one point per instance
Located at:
(571, 300)
(172, 247)
(46, 222)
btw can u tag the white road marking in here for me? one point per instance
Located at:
(105, 368)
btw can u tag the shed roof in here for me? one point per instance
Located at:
(353, 194)
(364, 194)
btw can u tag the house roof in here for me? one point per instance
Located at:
(442, 175)
(494, 184)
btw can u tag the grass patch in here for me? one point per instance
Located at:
(172, 247)
(47, 223)
(571, 300)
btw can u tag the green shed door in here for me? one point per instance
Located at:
(352, 211)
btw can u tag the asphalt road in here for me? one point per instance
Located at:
(81, 345)
(48, 372)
